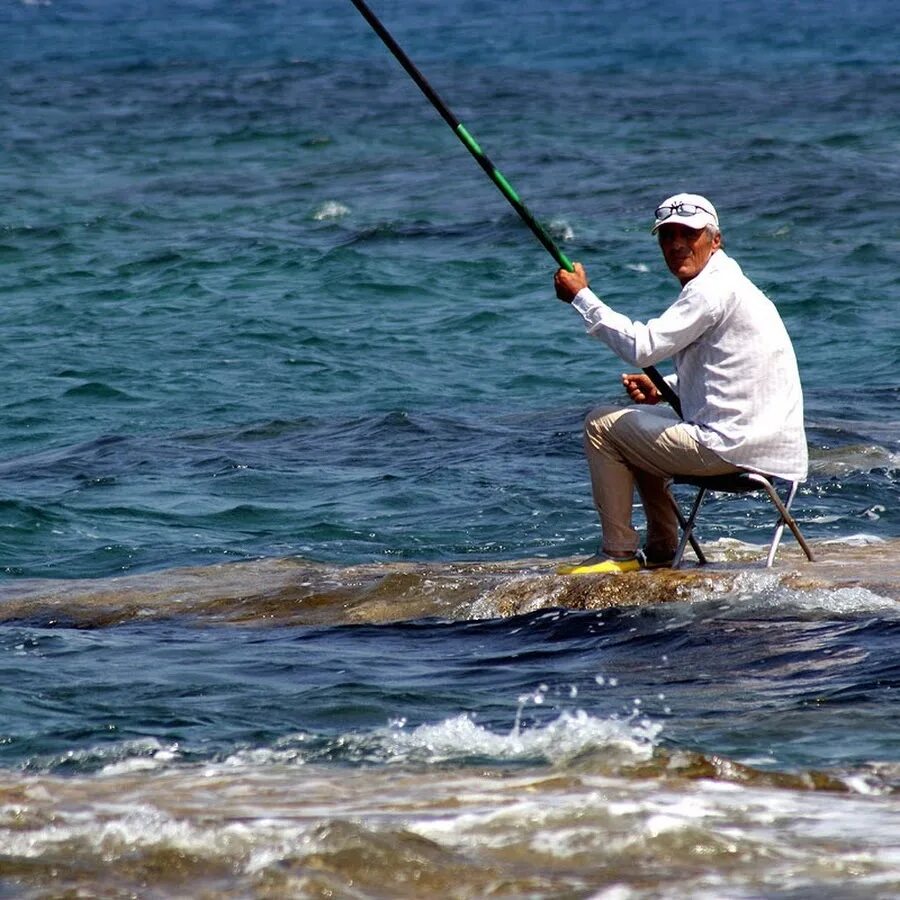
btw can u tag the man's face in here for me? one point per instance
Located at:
(687, 250)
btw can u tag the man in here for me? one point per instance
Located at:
(735, 374)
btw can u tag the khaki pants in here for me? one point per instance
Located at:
(641, 446)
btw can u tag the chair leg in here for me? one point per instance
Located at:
(779, 527)
(785, 518)
(790, 521)
(687, 530)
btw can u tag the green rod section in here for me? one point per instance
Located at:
(490, 169)
(462, 133)
(509, 192)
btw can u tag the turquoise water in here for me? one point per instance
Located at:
(291, 442)
(228, 253)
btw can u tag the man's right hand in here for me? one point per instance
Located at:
(640, 388)
(568, 284)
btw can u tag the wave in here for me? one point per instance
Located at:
(851, 576)
(457, 740)
(616, 810)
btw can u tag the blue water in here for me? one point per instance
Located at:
(258, 300)
(210, 691)
(258, 303)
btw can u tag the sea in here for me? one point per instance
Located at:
(290, 449)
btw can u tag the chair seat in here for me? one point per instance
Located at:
(738, 483)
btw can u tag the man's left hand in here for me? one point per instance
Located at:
(568, 284)
(640, 388)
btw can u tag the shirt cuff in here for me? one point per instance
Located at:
(590, 307)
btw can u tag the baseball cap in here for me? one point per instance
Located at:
(692, 210)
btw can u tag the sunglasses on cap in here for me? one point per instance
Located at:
(682, 209)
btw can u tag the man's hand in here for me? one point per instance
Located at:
(640, 388)
(568, 284)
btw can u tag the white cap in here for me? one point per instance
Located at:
(698, 212)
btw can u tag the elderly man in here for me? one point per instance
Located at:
(735, 374)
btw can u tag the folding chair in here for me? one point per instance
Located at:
(739, 483)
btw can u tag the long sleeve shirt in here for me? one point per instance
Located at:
(736, 372)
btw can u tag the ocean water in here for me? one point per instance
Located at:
(290, 448)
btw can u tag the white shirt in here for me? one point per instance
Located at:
(736, 371)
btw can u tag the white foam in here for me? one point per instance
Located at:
(562, 230)
(617, 892)
(120, 832)
(864, 458)
(568, 736)
(265, 756)
(765, 589)
(856, 540)
(330, 211)
(138, 764)
(126, 756)
(839, 600)
(637, 819)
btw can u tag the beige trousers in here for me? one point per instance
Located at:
(642, 446)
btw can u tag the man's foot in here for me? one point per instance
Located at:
(601, 564)
(654, 561)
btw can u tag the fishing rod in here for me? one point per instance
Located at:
(491, 170)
